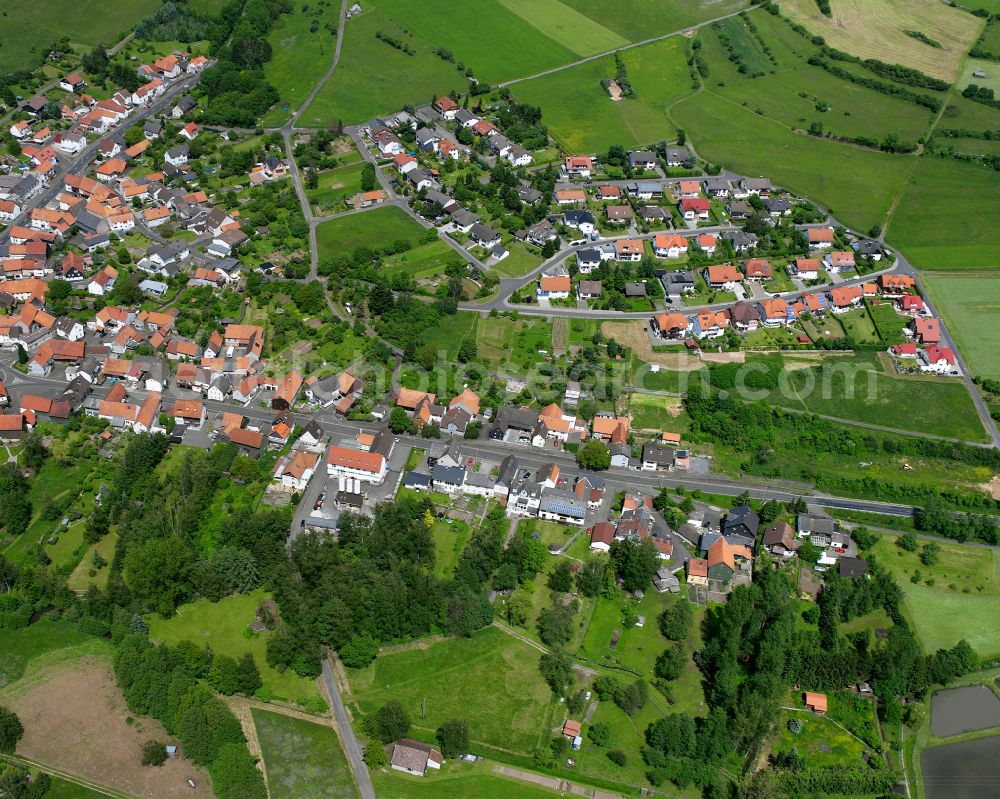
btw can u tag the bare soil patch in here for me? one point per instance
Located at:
(633, 335)
(615, 91)
(724, 357)
(992, 487)
(75, 721)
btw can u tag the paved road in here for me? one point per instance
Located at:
(351, 746)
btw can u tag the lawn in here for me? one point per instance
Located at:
(81, 578)
(654, 412)
(303, 759)
(335, 187)
(856, 388)
(890, 324)
(875, 29)
(519, 262)
(566, 26)
(969, 304)
(494, 338)
(450, 538)
(300, 56)
(423, 262)
(942, 196)
(45, 641)
(821, 742)
(959, 568)
(859, 326)
(365, 229)
(859, 192)
(637, 20)
(581, 116)
(490, 679)
(24, 43)
(457, 780)
(637, 648)
(220, 625)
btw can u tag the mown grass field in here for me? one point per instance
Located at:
(364, 229)
(941, 619)
(565, 25)
(29, 27)
(856, 388)
(45, 641)
(933, 223)
(424, 261)
(874, 29)
(793, 91)
(300, 56)
(449, 541)
(457, 780)
(970, 304)
(373, 78)
(959, 567)
(220, 625)
(490, 679)
(335, 187)
(859, 192)
(303, 758)
(637, 20)
(582, 117)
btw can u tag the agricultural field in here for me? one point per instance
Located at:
(302, 47)
(566, 26)
(725, 133)
(941, 198)
(303, 758)
(638, 20)
(346, 233)
(798, 94)
(969, 303)
(856, 388)
(490, 679)
(875, 29)
(44, 644)
(581, 116)
(24, 42)
(220, 625)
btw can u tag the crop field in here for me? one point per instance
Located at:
(638, 20)
(24, 38)
(300, 56)
(220, 625)
(874, 29)
(490, 679)
(581, 116)
(793, 92)
(857, 389)
(931, 223)
(303, 758)
(373, 78)
(969, 304)
(566, 26)
(859, 192)
(358, 230)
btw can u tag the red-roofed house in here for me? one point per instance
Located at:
(927, 330)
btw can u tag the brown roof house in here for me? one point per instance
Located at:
(414, 757)
(779, 539)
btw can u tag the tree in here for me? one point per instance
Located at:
(865, 538)
(561, 577)
(374, 755)
(391, 722)
(247, 675)
(235, 774)
(472, 431)
(22, 355)
(11, 730)
(453, 736)
(517, 607)
(555, 624)
(33, 450)
(359, 652)
(399, 422)
(594, 455)
(930, 555)
(59, 289)
(312, 179)
(591, 577)
(557, 671)
(600, 733)
(670, 664)
(223, 675)
(467, 350)
(154, 753)
(635, 562)
(368, 178)
(676, 620)
(908, 541)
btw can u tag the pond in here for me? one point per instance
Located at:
(964, 770)
(958, 710)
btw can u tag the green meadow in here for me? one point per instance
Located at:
(970, 304)
(363, 229)
(638, 20)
